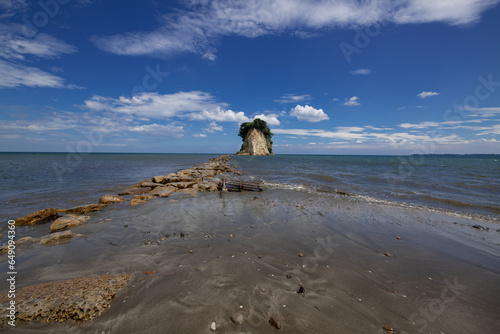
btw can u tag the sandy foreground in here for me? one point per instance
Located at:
(361, 266)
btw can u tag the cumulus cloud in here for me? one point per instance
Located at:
(361, 71)
(197, 28)
(309, 114)
(271, 119)
(353, 101)
(424, 95)
(214, 127)
(292, 98)
(194, 105)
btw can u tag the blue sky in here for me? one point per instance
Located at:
(329, 76)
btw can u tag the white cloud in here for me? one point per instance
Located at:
(202, 23)
(12, 75)
(214, 127)
(483, 112)
(168, 130)
(270, 119)
(424, 95)
(292, 98)
(200, 135)
(353, 101)
(361, 71)
(309, 114)
(194, 105)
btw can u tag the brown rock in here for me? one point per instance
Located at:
(275, 322)
(85, 208)
(159, 179)
(190, 192)
(108, 199)
(67, 221)
(301, 255)
(38, 217)
(163, 191)
(237, 318)
(388, 329)
(80, 299)
(182, 185)
(206, 186)
(25, 239)
(387, 254)
(136, 191)
(151, 185)
(56, 237)
(139, 199)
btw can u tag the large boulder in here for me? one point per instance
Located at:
(206, 186)
(56, 237)
(39, 217)
(67, 221)
(109, 199)
(80, 299)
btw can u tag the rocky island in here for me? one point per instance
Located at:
(256, 137)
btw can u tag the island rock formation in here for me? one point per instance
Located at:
(256, 138)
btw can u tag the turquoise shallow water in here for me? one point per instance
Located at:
(34, 181)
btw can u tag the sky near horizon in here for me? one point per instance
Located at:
(329, 76)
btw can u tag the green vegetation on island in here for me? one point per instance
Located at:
(262, 127)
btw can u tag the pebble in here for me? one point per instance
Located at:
(275, 322)
(301, 255)
(387, 254)
(388, 329)
(399, 238)
(213, 326)
(237, 318)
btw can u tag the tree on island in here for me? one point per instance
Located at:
(262, 127)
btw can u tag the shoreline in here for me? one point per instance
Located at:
(238, 249)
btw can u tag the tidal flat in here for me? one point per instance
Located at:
(313, 263)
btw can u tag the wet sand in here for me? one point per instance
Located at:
(240, 253)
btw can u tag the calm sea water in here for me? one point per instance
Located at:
(34, 181)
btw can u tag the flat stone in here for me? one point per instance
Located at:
(85, 208)
(67, 221)
(182, 185)
(151, 185)
(206, 186)
(139, 199)
(108, 199)
(39, 217)
(163, 191)
(136, 191)
(80, 299)
(56, 237)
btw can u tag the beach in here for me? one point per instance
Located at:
(313, 263)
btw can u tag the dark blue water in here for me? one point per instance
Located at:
(34, 181)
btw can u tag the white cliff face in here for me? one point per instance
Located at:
(255, 143)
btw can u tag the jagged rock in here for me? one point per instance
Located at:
(108, 199)
(136, 191)
(163, 191)
(275, 322)
(67, 221)
(56, 237)
(39, 217)
(84, 209)
(139, 199)
(80, 299)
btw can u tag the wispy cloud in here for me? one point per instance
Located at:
(15, 49)
(15, 75)
(425, 95)
(483, 112)
(361, 71)
(309, 114)
(197, 28)
(353, 101)
(293, 98)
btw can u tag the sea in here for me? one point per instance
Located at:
(460, 184)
